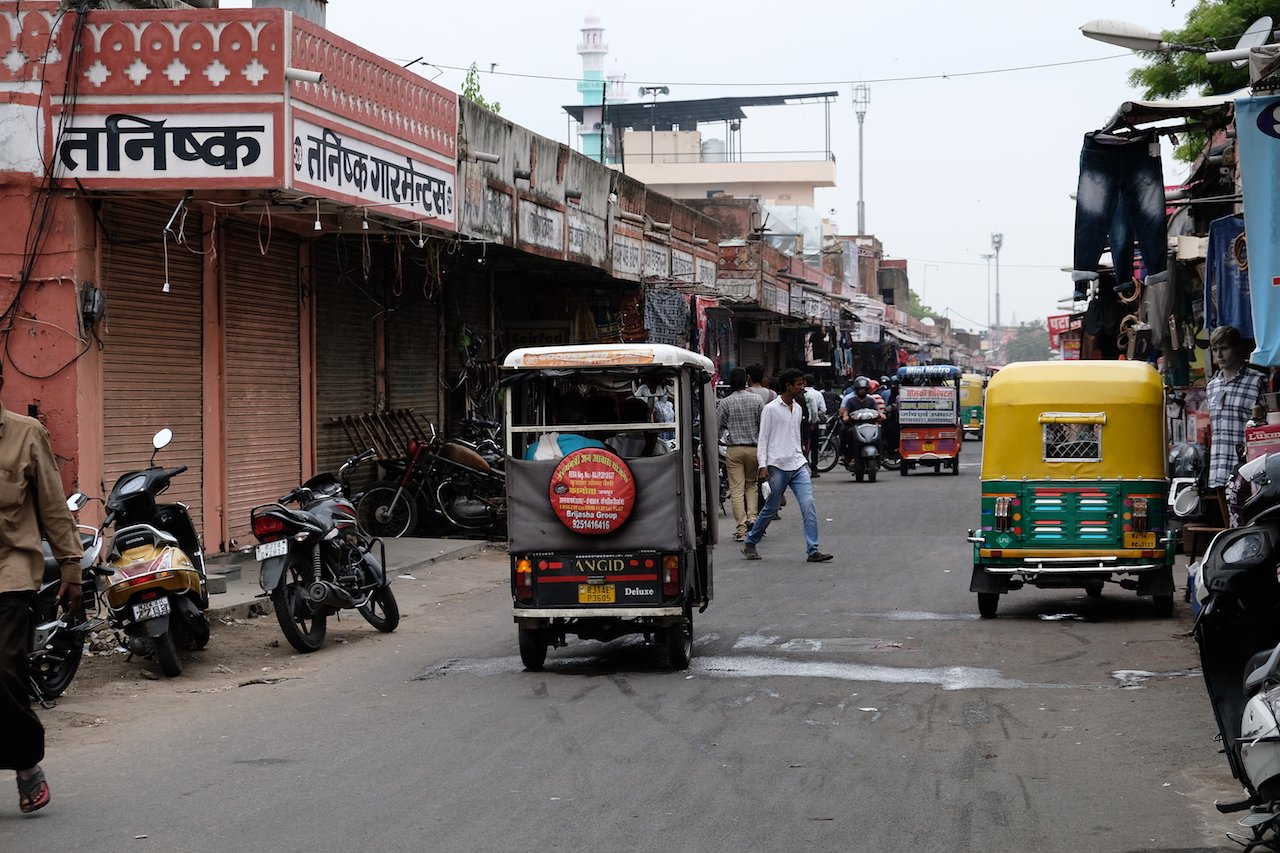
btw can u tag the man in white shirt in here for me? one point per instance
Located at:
(816, 405)
(782, 464)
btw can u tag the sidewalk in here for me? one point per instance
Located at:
(238, 573)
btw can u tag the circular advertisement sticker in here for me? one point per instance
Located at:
(592, 491)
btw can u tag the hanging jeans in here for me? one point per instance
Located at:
(1120, 195)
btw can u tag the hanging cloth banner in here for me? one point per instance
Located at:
(1258, 131)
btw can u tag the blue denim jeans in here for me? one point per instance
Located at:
(1121, 196)
(802, 488)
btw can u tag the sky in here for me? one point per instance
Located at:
(951, 154)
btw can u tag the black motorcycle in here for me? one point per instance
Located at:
(317, 560)
(1238, 630)
(449, 481)
(57, 640)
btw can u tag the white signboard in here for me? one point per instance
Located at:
(587, 236)
(865, 333)
(191, 146)
(344, 166)
(657, 261)
(628, 254)
(541, 226)
(681, 265)
(927, 405)
(706, 271)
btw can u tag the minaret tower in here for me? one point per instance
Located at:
(592, 49)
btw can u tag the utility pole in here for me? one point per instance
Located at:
(861, 98)
(997, 240)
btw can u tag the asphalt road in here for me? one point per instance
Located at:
(857, 705)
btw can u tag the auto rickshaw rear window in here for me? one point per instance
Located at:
(1072, 436)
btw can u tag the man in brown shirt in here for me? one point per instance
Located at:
(31, 504)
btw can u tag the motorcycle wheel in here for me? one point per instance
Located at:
(828, 452)
(167, 655)
(677, 642)
(891, 461)
(382, 611)
(533, 649)
(382, 515)
(53, 670)
(871, 473)
(303, 628)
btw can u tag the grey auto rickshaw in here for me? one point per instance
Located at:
(611, 494)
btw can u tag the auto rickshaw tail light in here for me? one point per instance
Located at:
(1004, 517)
(524, 579)
(670, 575)
(1139, 520)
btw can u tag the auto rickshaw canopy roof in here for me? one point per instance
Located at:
(971, 389)
(597, 356)
(1125, 398)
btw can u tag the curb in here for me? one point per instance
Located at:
(261, 606)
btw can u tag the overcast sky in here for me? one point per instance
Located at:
(948, 159)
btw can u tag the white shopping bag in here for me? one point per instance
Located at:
(548, 447)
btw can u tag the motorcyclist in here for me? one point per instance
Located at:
(858, 399)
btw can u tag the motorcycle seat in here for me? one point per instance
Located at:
(1262, 665)
(311, 518)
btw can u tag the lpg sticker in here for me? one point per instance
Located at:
(592, 491)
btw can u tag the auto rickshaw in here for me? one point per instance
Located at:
(929, 433)
(972, 393)
(1073, 482)
(611, 524)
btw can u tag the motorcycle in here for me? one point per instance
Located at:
(317, 560)
(482, 436)
(864, 444)
(1238, 634)
(155, 593)
(448, 479)
(57, 642)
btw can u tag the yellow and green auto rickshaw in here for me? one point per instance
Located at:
(972, 392)
(1073, 482)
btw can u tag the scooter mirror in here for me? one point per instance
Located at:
(76, 502)
(162, 438)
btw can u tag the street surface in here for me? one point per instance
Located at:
(856, 705)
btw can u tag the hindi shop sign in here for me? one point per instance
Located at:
(186, 148)
(926, 405)
(347, 168)
(592, 491)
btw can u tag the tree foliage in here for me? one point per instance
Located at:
(471, 91)
(1030, 343)
(1214, 25)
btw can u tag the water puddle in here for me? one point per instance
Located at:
(947, 677)
(1135, 679)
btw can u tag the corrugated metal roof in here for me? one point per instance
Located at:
(645, 114)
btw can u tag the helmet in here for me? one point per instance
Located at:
(884, 380)
(862, 383)
(1263, 474)
(873, 385)
(1186, 460)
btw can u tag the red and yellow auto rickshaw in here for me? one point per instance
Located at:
(929, 432)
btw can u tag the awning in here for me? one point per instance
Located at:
(905, 337)
(1135, 113)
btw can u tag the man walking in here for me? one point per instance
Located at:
(782, 464)
(31, 503)
(739, 417)
(816, 406)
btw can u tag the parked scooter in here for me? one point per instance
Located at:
(1238, 632)
(155, 593)
(317, 560)
(864, 444)
(57, 640)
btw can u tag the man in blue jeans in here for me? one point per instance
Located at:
(782, 463)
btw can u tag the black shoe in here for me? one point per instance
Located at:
(749, 551)
(1078, 296)
(819, 557)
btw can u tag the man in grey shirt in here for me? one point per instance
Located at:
(739, 418)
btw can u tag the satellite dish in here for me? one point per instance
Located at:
(1258, 34)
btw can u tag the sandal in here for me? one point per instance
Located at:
(33, 792)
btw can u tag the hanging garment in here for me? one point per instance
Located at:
(1226, 286)
(666, 317)
(1120, 195)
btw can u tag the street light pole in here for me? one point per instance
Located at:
(861, 98)
(655, 91)
(987, 257)
(997, 240)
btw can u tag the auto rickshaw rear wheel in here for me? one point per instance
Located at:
(677, 642)
(1093, 590)
(533, 649)
(903, 466)
(987, 604)
(955, 467)
(1164, 605)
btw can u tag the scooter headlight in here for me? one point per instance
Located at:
(1246, 549)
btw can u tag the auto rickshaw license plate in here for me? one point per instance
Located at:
(597, 593)
(928, 446)
(1140, 540)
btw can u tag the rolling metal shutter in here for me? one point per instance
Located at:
(152, 348)
(263, 408)
(346, 363)
(413, 360)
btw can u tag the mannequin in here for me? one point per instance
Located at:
(1232, 394)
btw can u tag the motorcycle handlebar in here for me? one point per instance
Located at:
(173, 472)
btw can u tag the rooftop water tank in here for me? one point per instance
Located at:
(713, 151)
